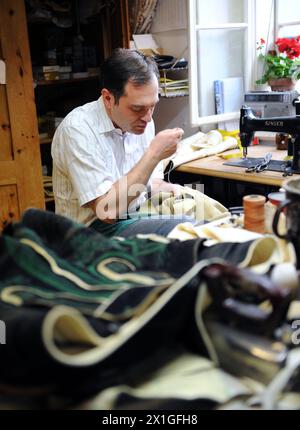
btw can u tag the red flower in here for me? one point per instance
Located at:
(291, 47)
(284, 62)
(262, 41)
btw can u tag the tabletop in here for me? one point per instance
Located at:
(214, 166)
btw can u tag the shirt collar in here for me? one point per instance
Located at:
(105, 124)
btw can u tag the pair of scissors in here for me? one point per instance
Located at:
(259, 167)
(288, 171)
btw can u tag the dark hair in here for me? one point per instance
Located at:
(126, 65)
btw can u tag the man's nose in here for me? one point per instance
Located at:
(148, 115)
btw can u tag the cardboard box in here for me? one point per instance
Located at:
(50, 73)
(146, 44)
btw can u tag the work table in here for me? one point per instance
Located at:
(214, 166)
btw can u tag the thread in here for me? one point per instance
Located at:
(254, 213)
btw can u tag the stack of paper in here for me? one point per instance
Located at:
(173, 88)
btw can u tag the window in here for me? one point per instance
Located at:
(287, 18)
(222, 38)
(222, 46)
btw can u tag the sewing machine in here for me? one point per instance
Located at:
(249, 124)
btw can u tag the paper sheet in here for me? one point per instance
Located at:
(144, 41)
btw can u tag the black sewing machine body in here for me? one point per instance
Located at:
(249, 124)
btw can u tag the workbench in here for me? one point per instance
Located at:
(228, 184)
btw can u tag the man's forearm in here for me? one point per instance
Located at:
(129, 187)
(126, 189)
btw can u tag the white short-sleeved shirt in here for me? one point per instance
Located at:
(90, 155)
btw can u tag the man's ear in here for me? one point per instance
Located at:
(107, 97)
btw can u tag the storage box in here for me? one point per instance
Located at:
(50, 72)
(146, 44)
(65, 72)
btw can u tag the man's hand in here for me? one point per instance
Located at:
(161, 185)
(165, 143)
(116, 201)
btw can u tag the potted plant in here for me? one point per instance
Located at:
(282, 65)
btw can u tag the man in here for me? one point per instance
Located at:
(106, 155)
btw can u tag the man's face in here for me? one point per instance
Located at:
(135, 107)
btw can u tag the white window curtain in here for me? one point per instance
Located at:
(222, 45)
(142, 14)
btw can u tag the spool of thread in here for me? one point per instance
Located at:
(254, 213)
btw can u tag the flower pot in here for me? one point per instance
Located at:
(282, 84)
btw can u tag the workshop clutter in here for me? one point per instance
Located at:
(64, 56)
(101, 314)
(48, 186)
(66, 72)
(291, 208)
(48, 123)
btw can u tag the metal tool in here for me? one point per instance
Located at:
(241, 330)
(244, 354)
(288, 171)
(237, 294)
(261, 166)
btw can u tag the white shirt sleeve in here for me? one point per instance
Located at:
(86, 164)
(158, 172)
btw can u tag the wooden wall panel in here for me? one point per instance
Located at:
(18, 113)
(125, 23)
(9, 207)
(115, 27)
(5, 134)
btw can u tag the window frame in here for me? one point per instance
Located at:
(279, 24)
(249, 59)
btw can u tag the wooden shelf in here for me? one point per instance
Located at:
(168, 86)
(170, 69)
(168, 96)
(65, 81)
